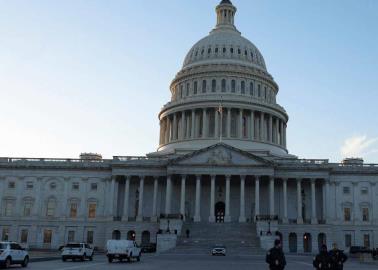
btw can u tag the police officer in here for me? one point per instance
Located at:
(338, 258)
(322, 261)
(275, 257)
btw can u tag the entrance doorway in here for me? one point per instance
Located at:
(219, 212)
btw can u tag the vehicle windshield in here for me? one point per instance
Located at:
(73, 246)
(219, 247)
(3, 246)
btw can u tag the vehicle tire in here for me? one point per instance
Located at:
(110, 259)
(138, 258)
(129, 258)
(64, 259)
(25, 262)
(8, 262)
(91, 257)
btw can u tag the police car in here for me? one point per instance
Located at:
(79, 251)
(12, 253)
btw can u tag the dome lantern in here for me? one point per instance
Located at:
(225, 15)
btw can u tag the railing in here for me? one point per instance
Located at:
(267, 218)
(303, 161)
(171, 216)
(52, 160)
(138, 158)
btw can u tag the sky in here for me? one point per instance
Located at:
(91, 75)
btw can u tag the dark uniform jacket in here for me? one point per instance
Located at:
(338, 258)
(276, 259)
(322, 261)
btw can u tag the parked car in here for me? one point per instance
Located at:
(358, 249)
(218, 250)
(149, 248)
(12, 253)
(79, 251)
(122, 250)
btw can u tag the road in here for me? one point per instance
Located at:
(185, 262)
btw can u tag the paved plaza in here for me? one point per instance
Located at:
(187, 261)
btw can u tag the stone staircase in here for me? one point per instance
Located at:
(239, 238)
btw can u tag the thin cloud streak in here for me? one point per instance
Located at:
(359, 146)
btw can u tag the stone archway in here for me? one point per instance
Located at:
(307, 243)
(131, 235)
(219, 211)
(116, 235)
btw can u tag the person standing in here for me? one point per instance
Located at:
(275, 257)
(322, 261)
(338, 258)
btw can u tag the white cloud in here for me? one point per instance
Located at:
(359, 146)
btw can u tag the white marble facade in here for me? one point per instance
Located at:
(222, 157)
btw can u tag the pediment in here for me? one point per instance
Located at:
(220, 155)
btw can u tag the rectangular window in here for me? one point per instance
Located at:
(259, 90)
(73, 210)
(94, 186)
(29, 185)
(8, 208)
(90, 237)
(195, 88)
(92, 210)
(346, 190)
(47, 236)
(367, 240)
(27, 209)
(50, 211)
(5, 236)
(203, 86)
(346, 214)
(348, 240)
(11, 185)
(75, 186)
(233, 86)
(242, 87)
(71, 236)
(365, 214)
(24, 236)
(364, 191)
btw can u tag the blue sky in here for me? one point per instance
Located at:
(92, 75)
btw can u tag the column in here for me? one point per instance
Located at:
(284, 135)
(166, 130)
(183, 125)
(212, 199)
(327, 202)
(271, 196)
(126, 200)
(262, 127)
(242, 218)
(227, 217)
(111, 199)
(281, 133)
(314, 219)
(252, 125)
(257, 196)
(192, 128)
(204, 124)
(154, 202)
(284, 183)
(197, 211)
(216, 124)
(65, 197)
(276, 130)
(168, 195)
(271, 128)
(174, 127)
(228, 123)
(240, 123)
(182, 198)
(140, 206)
(299, 202)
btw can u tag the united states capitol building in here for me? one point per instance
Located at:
(222, 164)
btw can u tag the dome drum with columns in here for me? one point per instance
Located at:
(223, 93)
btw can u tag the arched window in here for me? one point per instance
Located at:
(195, 88)
(181, 91)
(293, 242)
(245, 53)
(116, 235)
(242, 87)
(224, 49)
(209, 51)
(233, 86)
(251, 89)
(146, 237)
(232, 50)
(216, 50)
(213, 86)
(259, 90)
(223, 85)
(203, 51)
(307, 242)
(252, 56)
(239, 51)
(131, 235)
(204, 86)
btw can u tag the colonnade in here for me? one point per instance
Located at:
(213, 178)
(232, 123)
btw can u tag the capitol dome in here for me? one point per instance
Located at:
(223, 92)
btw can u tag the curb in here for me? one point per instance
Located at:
(44, 259)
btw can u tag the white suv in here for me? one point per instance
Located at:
(74, 251)
(13, 253)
